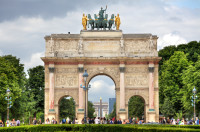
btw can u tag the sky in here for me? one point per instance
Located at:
(24, 23)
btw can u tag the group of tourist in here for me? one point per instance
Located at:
(173, 121)
(10, 123)
(53, 121)
(99, 120)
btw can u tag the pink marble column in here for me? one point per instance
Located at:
(151, 87)
(51, 88)
(81, 91)
(122, 87)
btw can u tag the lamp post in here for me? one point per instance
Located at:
(194, 97)
(8, 98)
(85, 75)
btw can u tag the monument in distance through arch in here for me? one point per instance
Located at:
(131, 60)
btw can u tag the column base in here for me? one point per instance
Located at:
(152, 115)
(51, 115)
(122, 114)
(80, 115)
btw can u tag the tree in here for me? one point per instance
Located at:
(21, 80)
(192, 49)
(8, 79)
(167, 108)
(91, 109)
(166, 53)
(171, 81)
(190, 80)
(136, 107)
(35, 85)
(113, 113)
(67, 108)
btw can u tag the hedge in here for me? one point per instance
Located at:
(101, 128)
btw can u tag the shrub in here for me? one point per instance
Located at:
(101, 128)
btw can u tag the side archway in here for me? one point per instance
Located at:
(59, 97)
(136, 108)
(67, 109)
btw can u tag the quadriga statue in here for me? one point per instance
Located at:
(101, 21)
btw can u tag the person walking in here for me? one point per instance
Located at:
(18, 122)
(1, 123)
(197, 121)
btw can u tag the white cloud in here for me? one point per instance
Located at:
(170, 39)
(101, 88)
(34, 60)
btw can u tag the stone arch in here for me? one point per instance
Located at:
(106, 73)
(57, 106)
(140, 94)
(58, 98)
(145, 106)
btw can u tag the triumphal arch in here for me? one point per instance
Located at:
(130, 60)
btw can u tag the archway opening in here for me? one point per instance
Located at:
(102, 96)
(67, 109)
(136, 108)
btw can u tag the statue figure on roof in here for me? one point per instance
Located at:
(117, 22)
(84, 22)
(101, 13)
(100, 21)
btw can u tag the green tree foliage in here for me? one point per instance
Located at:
(113, 113)
(192, 49)
(21, 79)
(91, 109)
(167, 108)
(171, 81)
(11, 76)
(67, 108)
(136, 107)
(191, 79)
(166, 53)
(35, 86)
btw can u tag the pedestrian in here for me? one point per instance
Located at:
(130, 120)
(119, 121)
(63, 121)
(1, 123)
(34, 121)
(13, 123)
(197, 121)
(18, 122)
(7, 122)
(47, 121)
(96, 120)
(76, 121)
(111, 121)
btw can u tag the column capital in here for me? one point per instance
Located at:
(51, 69)
(151, 69)
(122, 69)
(80, 69)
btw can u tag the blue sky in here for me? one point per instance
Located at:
(24, 23)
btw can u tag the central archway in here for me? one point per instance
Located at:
(103, 89)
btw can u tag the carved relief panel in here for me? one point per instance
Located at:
(104, 46)
(66, 77)
(141, 47)
(66, 45)
(136, 76)
(136, 46)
